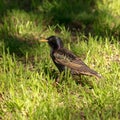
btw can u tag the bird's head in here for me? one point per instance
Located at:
(54, 42)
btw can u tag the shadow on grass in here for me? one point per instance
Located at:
(17, 45)
(77, 15)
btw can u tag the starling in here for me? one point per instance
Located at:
(65, 58)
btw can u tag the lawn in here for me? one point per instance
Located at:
(91, 30)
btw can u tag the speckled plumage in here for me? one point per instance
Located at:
(63, 57)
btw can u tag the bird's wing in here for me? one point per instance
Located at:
(68, 59)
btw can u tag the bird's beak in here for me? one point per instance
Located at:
(43, 40)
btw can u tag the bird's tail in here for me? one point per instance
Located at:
(95, 74)
(98, 76)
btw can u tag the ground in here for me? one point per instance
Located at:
(27, 74)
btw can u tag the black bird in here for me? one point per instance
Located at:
(65, 58)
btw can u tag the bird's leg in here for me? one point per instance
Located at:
(78, 79)
(57, 79)
(60, 77)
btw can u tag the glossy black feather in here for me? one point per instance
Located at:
(63, 57)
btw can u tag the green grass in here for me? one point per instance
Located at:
(27, 73)
(27, 90)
